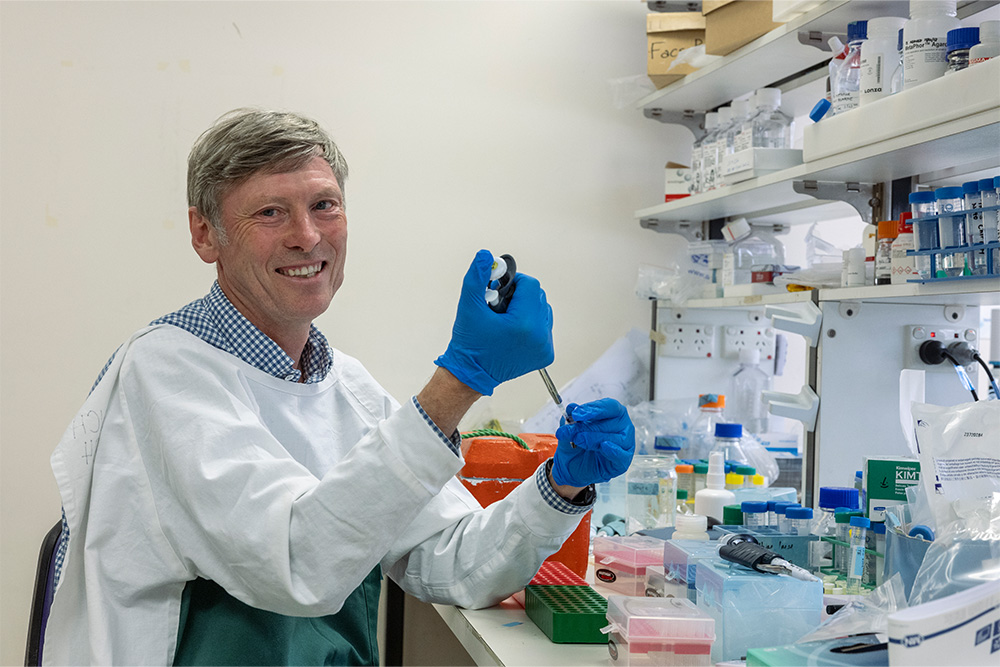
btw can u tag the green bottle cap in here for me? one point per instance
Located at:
(732, 515)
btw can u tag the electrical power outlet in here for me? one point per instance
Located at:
(689, 340)
(737, 337)
(918, 334)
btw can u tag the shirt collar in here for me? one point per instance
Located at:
(250, 344)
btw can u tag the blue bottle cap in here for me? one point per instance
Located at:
(860, 522)
(820, 110)
(857, 30)
(754, 506)
(770, 505)
(879, 527)
(799, 512)
(832, 497)
(996, 182)
(986, 184)
(954, 192)
(922, 197)
(970, 187)
(963, 38)
(920, 530)
(728, 430)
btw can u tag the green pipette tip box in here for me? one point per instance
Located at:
(568, 614)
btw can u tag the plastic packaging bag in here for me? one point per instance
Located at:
(662, 423)
(864, 614)
(821, 251)
(817, 275)
(694, 56)
(760, 458)
(674, 284)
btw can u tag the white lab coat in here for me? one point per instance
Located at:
(187, 462)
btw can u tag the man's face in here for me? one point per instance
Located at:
(287, 243)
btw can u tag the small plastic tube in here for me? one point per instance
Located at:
(859, 528)
(783, 526)
(799, 520)
(754, 513)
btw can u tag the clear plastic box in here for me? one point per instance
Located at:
(679, 560)
(620, 562)
(658, 631)
(752, 609)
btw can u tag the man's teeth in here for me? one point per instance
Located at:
(306, 271)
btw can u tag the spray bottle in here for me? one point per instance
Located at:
(711, 500)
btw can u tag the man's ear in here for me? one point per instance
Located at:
(204, 236)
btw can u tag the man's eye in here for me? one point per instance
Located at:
(326, 205)
(269, 212)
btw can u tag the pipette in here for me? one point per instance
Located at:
(762, 559)
(498, 295)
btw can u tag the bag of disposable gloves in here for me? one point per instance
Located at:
(597, 446)
(488, 348)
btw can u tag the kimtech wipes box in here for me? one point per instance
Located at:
(885, 480)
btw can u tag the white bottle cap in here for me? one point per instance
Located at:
(741, 108)
(928, 7)
(725, 115)
(750, 356)
(989, 31)
(711, 120)
(736, 229)
(691, 523)
(769, 96)
(885, 26)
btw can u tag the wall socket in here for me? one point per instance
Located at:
(918, 334)
(688, 340)
(737, 337)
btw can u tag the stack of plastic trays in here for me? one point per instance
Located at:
(620, 562)
(658, 631)
(680, 558)
(552, 573)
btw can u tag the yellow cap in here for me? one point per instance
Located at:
(758, 480)
(733, 478)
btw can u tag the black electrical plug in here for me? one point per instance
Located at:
(962, 353)
(931, 352)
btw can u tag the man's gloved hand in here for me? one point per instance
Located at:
(488, 348)
(605, 442)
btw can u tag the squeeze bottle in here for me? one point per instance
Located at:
(710, 500)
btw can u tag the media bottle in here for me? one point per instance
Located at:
(714, 151)
(702, 434)
(879, 58)
(748, 383)
(727, 443)
(960, 42)
(770, 127)
(887, 233)
(989, 43)
(742, 111)
(698, 152)
(848, 79)
(925, 40)
(903, 267)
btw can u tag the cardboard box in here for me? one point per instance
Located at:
(886, 479)
(729, 24)
(667, 35)
(679, 181)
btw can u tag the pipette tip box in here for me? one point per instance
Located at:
(567, 614)
(658, 631)
(620, 562)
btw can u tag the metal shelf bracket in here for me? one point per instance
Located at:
(819, 39)
(692, 120)
(689, 229)
(865, 198)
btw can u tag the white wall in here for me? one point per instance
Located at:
(466, 125)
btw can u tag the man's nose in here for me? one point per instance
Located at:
(303, 234)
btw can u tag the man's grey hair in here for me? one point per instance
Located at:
(247, 141)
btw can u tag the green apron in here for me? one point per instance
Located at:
(217, 629)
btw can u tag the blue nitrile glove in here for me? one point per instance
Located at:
(605, 442)
(488, 348)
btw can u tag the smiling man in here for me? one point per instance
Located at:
(247, 484)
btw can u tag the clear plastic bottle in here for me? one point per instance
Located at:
(714, 150)
(903, 267)
(848, 79)
(923, 204)
(960, 42)
(702, 434)
(951, 232)
(727, 442)
(989, 43)
(698, 152)
(839, 54)
(742, 111)
(748, 247)
(799, 520)
(974, 229)
(691, 527)
(879, 58)
(887, 232)
(771, 128)
(925, 40)
(746, 387)
(651, 494)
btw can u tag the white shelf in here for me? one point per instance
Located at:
(770, 58)
(974, 138)
(968, 292)
(755, 301)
